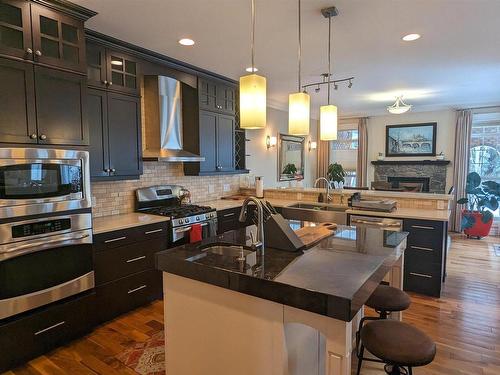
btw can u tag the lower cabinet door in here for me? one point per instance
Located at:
(422, 278)
(40, 331)
(128, 293)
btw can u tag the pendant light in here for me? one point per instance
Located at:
(253, 92)
(299, 103)
(328, 116)
(399, 107)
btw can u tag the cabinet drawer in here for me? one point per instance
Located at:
(115, 263)
(423, 254)
(45, 329)
(128, 293)
(422, 278)
(123, 237)
(428, 234)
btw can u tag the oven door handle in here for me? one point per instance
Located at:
(22, 249)
(187, 229)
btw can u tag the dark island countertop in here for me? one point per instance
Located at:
(333, 278)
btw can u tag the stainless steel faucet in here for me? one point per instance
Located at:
(328, 196)
(258, 243)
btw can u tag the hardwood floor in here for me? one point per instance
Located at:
(464, 322)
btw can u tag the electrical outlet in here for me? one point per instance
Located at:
(211, 189)
(227, 187)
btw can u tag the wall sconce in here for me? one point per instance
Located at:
(313, 145)
(271, 142)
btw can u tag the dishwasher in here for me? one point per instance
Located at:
(385, 223)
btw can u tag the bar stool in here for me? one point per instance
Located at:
(399, 345)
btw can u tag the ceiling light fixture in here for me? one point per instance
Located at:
(186, 42)
(328, 114)
(251, 69)
(411, 37)
(299, 103)
(253, 92)
(399, 106)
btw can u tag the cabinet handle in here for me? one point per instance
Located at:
(137, 289)
(110, 83)
(115, 239)
(38, 52)
(113, 170)
(33, 136)
(104, 82)
(29, 51)
(49, 328)
(422, 227)
(421, 275)
(107, 170)
(43, 137)
(135, 259)
(421, 248)
(153, 231)
(229, 215)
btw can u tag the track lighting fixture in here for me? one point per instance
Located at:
(350, 84)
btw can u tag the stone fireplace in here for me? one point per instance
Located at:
(430, 173)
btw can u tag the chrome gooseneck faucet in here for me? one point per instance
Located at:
(258, 243)
(328, 196)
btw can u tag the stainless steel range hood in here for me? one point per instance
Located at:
(163, 115)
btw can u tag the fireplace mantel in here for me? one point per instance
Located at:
(410, 162)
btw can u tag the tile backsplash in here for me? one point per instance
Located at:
(118, 197)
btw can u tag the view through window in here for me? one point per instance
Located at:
(485, 148)
(345, 152)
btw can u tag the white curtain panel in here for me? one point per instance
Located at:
(362, 161)
(461, 164)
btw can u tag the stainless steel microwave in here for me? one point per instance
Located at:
(36, 181)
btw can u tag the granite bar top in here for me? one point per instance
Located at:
(111, 223)
(333, 278)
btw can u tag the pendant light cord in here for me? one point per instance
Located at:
(253, 36)
(300, 50)
(329, 55)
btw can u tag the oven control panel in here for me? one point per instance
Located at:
(40, 227)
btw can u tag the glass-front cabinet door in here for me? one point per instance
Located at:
(15, 29)
(122, 73)
(58, 40)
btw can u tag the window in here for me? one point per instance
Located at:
(485, 147)
(345, 152)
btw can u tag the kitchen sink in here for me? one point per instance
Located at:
(316, 212)
(232, 251)
(227, 256)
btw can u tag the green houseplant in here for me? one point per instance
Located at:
(336, 173)
(290, 169)
(482, 198)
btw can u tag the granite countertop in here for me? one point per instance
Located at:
(333, 278)
(105, 224)
(403, 213)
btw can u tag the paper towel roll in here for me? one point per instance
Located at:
(259, 186)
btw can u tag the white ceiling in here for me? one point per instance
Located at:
(455, 64)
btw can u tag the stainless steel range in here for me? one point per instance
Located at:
(167, 200)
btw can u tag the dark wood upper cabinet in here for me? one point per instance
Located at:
(61, 110)
(58, 40)
(218, 97)
(15, 29)
(17, 103)
(225, 143)
(112, 70)
(208, 141)
(115, 140)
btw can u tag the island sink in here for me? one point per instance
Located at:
(316, 212)
(227, 250)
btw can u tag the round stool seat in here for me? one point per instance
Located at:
(388, 298)
(398, 343)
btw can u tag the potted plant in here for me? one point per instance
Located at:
(482, 198)
(336, 174)
(289, 169)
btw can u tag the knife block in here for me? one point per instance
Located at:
(279, 235)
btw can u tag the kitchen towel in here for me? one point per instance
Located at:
(195, 235)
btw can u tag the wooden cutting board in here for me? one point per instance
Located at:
(312, 235)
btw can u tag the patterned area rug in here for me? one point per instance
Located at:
(146, 358)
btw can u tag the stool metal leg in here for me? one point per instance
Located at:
(360, 359)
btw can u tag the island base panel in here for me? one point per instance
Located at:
(212, 330)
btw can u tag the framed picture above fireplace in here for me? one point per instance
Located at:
(411, 139)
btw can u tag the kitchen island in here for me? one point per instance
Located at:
(283, 313)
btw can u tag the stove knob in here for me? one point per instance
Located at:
(186, 221)
(181, 221)
(197, 218)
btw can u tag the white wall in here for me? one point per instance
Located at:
(445, 140)
(264, 162)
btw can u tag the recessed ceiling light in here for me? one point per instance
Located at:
(411, 37)
(251, 70)
(186, 42)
